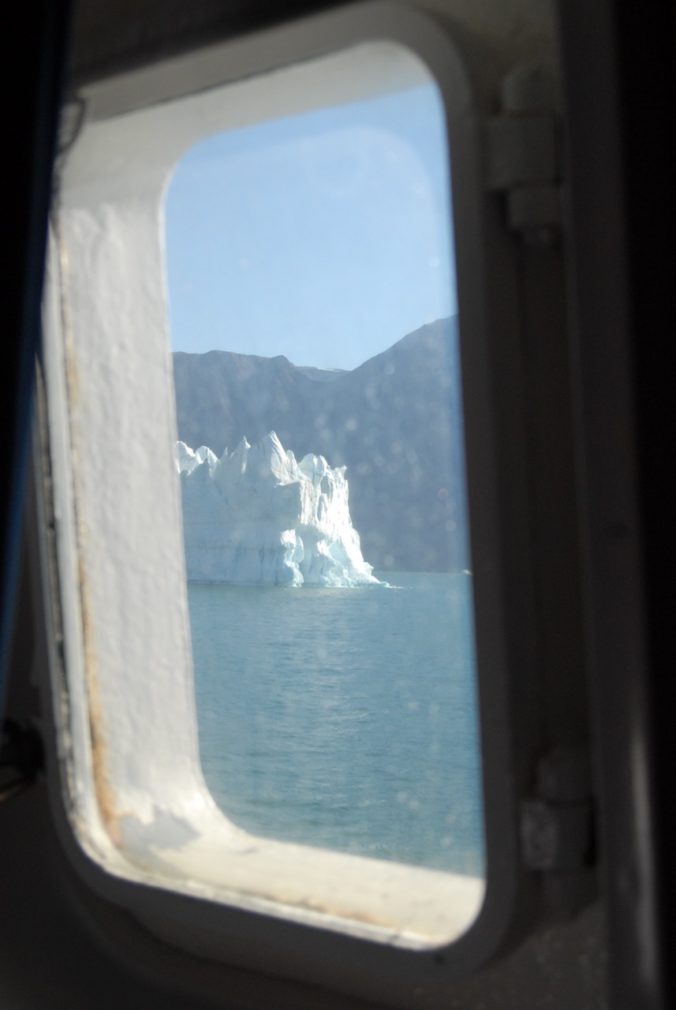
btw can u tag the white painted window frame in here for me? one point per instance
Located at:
(164, 845)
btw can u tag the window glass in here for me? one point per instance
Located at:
(310, 272)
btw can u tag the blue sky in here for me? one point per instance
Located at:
(323, 236)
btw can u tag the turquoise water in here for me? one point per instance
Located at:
(344, 718)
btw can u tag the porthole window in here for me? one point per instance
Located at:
(257, 376)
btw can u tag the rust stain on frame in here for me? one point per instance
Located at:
(104, 792)
(66, 317)
(105, 795)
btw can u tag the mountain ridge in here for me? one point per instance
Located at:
(394, 421)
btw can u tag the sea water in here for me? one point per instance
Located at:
(344, 718)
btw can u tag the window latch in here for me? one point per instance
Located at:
(557, 828)
(523, 155)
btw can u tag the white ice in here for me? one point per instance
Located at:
(256, 516)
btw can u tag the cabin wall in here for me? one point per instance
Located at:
(61, 946)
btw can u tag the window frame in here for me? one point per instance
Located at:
(494, 451)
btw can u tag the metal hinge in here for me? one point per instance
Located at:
(557, 828)
(523, 155)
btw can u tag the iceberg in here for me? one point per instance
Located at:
(257, 516)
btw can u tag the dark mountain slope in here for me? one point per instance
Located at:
(394, 422)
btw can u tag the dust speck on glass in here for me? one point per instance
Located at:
(311, 280)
